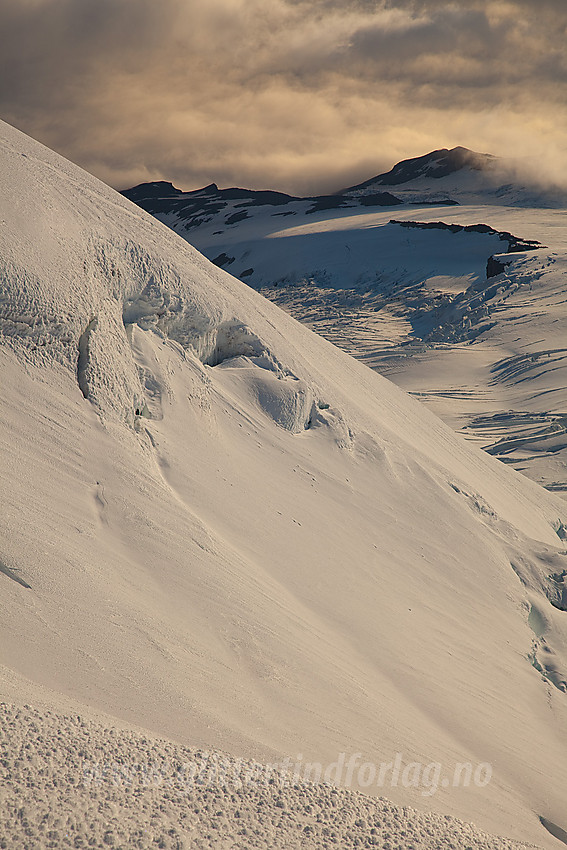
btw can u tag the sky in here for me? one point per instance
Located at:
(303, 96)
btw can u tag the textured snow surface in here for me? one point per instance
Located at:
(406, 291)
(69, 782)
(238, 537)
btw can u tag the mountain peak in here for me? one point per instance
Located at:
(436, 164)
(154, 189)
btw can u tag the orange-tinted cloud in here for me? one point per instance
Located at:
(299, 95)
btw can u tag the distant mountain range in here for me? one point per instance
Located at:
(198, 206)
(440, 178)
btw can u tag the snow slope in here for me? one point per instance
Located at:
(238, 537)
(121, 789)
(424, 306)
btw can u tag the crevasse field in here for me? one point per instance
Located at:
(221, 533)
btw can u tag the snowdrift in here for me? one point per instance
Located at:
(238, 537)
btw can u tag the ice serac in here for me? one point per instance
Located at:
(237, 536)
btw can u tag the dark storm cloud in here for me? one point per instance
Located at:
(292, 94)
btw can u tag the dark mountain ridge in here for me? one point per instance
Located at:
(436, 164)
(200, 205)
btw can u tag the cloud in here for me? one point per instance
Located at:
(300, 95)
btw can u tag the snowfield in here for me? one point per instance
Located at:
(220, 528)
(424, 289)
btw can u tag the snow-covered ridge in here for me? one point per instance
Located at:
(436, 165)
(394, 302)
(228, 207)
(440, 178)
(240, 538)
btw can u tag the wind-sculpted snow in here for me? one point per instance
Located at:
(231, 533)
(68, 782)
(380, 297)
(431, 301)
